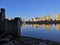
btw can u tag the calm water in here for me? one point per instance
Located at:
(43, 31)
(33, 34)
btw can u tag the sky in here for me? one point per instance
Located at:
(28, 9)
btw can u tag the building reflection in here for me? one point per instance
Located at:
(57, 26)
(46, 26)
(15, 39)
(35, 25)
(23, 24)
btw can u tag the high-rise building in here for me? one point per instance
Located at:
(11, 26)
(2, 15)
(2, 18)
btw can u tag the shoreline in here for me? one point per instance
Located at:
(43, 22)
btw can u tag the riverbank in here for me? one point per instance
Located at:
(43, 22)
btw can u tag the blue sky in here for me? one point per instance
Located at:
(30, 8)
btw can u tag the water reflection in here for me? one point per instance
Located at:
(57, 26)
(46, 26)
(35, 25)
(41, 33)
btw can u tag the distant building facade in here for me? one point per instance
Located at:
(46, 18)
(42, 19)
(57, 18)
(36, 19)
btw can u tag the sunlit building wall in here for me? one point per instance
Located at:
(46, 18)
(53, 19)
(36, 19)
(40, 19)
(57, 17)
(43, 19)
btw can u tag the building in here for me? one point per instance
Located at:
(2, 18)
(2, 15)
(16, 26)
(57, 18)
(42, 19)
(46, 18)
(36, 19)
(13, 26)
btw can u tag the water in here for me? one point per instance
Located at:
(32, 34)
(43, 31)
